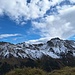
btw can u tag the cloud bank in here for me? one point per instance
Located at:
(20, 9)
(60, 25)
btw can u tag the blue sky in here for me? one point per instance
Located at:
(24, 32)
(31, 20)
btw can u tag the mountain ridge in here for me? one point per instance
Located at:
(53, 48)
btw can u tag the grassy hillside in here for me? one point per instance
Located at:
(27, 71)
(64, 71)
(34, 71)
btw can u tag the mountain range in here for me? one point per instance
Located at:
(55, 48)
(53, 54)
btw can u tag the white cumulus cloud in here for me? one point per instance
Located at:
(19, 10)
(61, 25)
